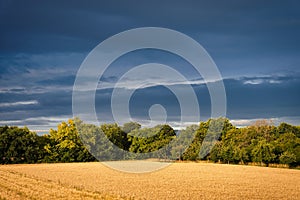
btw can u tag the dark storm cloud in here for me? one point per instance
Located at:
(48, 104)
(36, 27)
(42, 44)
(110, 79)
(259, 97)
(247, 98)
(61, 26)
(242, 37)
(67, 80)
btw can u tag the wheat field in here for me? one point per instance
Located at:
(177, 181)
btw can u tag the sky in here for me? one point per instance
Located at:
(254, 44)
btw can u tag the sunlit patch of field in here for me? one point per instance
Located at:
(177, 181)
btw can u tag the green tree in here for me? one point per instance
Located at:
(192, 152)
(183, 141)
(289, 144)
(65, 145)
(236, 145)
(130, 126)
(288, 158)
(208, 134)
(263, 152)
(287, 128)
(19, 145)
(216, 152)
(116, 135)
(96, 141)
(152, 139)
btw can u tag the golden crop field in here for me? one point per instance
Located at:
(177, 181)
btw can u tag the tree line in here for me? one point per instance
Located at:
(76, 141)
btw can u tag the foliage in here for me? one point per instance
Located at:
(263, 151)
(130, 126)
(216, 139)
(261, 142)
(65, 145)
(150, 139)
(182, 141)
(287, 158)
(19, 145)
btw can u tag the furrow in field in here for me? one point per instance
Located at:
(15, 185)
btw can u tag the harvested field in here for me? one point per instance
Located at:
(178, 181)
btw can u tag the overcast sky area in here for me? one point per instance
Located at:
(255, 46)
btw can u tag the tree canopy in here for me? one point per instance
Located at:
(216, 140)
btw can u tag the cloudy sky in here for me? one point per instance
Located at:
(255, 45)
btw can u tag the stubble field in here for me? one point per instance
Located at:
(177, 181)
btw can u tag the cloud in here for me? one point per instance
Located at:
(275, 121)
(246, 103)
(141, 83)
(12, 90)
(255, 47)
(264, 79)
(19, 103)
(227, 36)
(265, 100)
(254, 81)
(29, 74)
(40, 125)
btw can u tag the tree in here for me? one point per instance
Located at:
(288, 144)
(183, 141)
(19, 145)
(264, 129)
(237, 143)
(95, 141)
(216, 153)
(215, 139)
(130, 126)
(228, 152)
(192, 152)
(65, 145)
(288, 158)
(263, 152)
(287, 128)
(152, 139)
(115, 134)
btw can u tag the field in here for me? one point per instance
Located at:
(177, 181)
